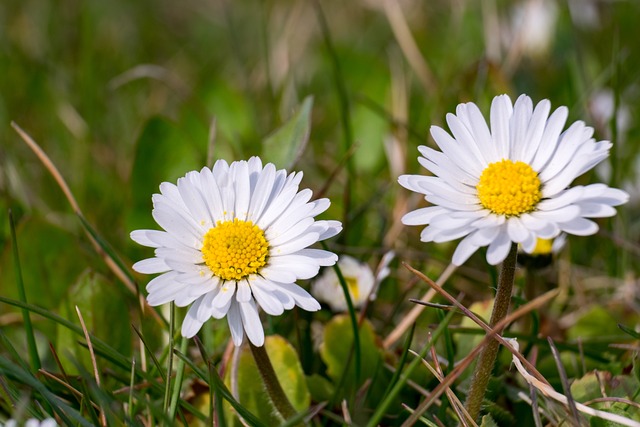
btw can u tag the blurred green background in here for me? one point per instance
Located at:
(122, 96)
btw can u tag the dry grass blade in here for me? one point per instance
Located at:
(565, 383)
(402, 33)
(462, 365)
(66, 385)
(411, 317)
(456, 404)
(548, 391)
(103, 418)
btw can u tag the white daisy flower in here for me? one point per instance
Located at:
(358, 276)
(33, 422)
(509, 182)
(236, 237)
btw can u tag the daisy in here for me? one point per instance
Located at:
(33, 422)
(236, 237)
(508, 182)
(359, 279)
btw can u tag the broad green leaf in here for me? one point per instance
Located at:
(284, 146)
(251, 392)
(320, 388)
(337, 344)
(595, 322)
(163, 153)
(593, 384)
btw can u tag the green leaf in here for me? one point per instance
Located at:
(320, 388)
(487, 421)
(163, 153)
(285, 146)
(595, 322)
(336, 346)
(251, 393)
(629, 331)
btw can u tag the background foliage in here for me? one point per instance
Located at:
(122, 96)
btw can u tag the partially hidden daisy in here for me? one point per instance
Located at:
(235, 237)
(358, 277)
(508, 182)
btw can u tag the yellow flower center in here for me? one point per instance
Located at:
(354, 289)
(543, 247)
(235, 249)
(508, 188)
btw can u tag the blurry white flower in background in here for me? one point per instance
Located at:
(532, 27)
(360, 280)
(33, 422)
(602, 107)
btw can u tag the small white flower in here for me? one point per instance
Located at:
(533, 25)
(33, 422)
(508, 183)
(236, 237)
(359, 278)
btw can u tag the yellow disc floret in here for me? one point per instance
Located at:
(235, 249)
(509, 188)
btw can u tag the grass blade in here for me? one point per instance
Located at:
(28, 327)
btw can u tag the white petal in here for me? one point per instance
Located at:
(499, 248)
(501, 111)
(535, 130)
(301, 297)
(234, 320)
(242, 189)
(561, 199)
(191, 325)
(322, 257)
(466, 139)
(252, 323)
(278, 275)
(292, 232)
(265, 298)
(549, 139)
(518, 125)
(188, 187)
(516, 230)
(244, 291)
(227, 291)
(145, 237)
(422, 216)
(163, 281)
(596, 210)
(332, 228)
(464, 250)
(295, 245)
(579, 227)
(151, 266)
(457, 153)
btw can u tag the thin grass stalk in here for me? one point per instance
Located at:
(167, 386)
(404, 377)
(354, 322)
(177, 384)
(274, 389)
(487, 358)
(28, 327)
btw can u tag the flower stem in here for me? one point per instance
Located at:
(274, 389)
(487, 358)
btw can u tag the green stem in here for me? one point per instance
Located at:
(487, 358)
(274, 389)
